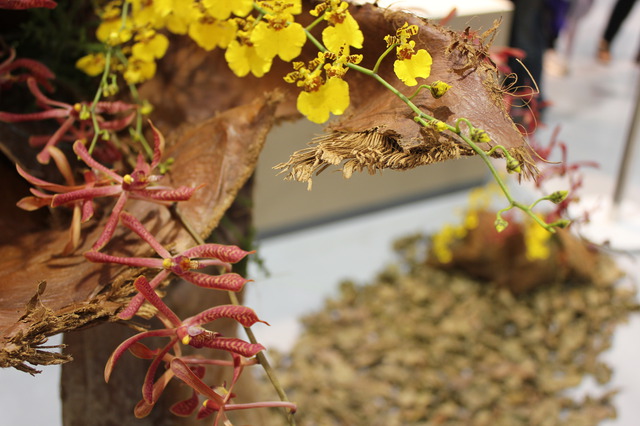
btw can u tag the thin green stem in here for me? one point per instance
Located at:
(97, 97)
(419, 89)
(315, 41)
(316, 22)
(384, 55)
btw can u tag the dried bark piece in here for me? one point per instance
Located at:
(79, 292)
(378, 130)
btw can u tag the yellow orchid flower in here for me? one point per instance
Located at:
(409, 64)
(244, 58)
(222, 9)
(277, 34)
(149, 46)
(210, 32)
(331, 97)
(343, 29)
(92, 64)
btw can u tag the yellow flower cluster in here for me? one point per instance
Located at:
(252, 33)
(322, 96)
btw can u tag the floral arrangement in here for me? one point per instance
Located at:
(305, 59)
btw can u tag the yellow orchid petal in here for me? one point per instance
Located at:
(151, 49)
(92, 64)
(348, 32)
(222, 9)
(286, 42)
(332, 97)
(209, 33)
(419, 65)
(243, 59)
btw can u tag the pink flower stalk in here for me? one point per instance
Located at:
(36, 70)
(182, 265)
(188, 332)
(68, 115)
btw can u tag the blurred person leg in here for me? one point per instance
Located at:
(618, 15)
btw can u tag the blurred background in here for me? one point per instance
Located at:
(309, 242)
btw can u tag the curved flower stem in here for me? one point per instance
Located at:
(314, 23)
(262, 359)
(419, 89)
(384, 55)
(96, 99)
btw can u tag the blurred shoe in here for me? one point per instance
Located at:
(554, 64)
(604, 54)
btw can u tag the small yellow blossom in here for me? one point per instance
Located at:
(177, 14)
(209, 32)
(536, 240)
(417, 65)
(149, 45)
(439, 88)
(277, 34)
(342, 29)
(331, 97)
(145, 14)
(285, 42)
(409, 64)
(243, 58)
(138, 70)
(111, 29)
(222, 9)
(92, 64)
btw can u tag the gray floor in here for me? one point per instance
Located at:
(592, 105)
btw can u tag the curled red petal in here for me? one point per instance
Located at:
(112, 223)
(143, 286)
(209, 339)
(81, 151)
(117, 123)
(228, 282)
(143, 408)
(184, 373)
(140, 350)
(182, 193)
(26, 4)
(137, 262)
(245, 316)
(122, 348)
(10, 117)
(186, 407)
(136, 226)
(206, 410)
(136, 302)
(148, 387)
(83, 194)
(158, 145)
(230, 254)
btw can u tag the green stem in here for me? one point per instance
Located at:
(384, 55)
(315, 41)
(96, 99)
(316, 22)
(422, 86)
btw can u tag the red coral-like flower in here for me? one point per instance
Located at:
(183, 264)
(140, 184)
(67, 115)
